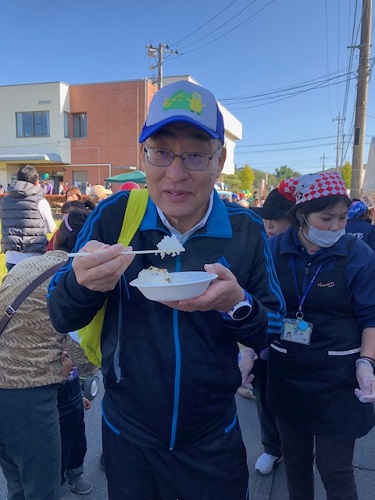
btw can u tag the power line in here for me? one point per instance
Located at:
(285, 142)
(284, 92)
(219, 27)
(323, 78)
(204, 24)
(288, 149)
(229, 31)
(286, 96)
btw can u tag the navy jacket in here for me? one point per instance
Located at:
(362, 229)
(170, 377)
(312, 385)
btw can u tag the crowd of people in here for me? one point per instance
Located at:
(290, 316)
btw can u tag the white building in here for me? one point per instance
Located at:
(79, 133)
(369, 170)
(32, 126)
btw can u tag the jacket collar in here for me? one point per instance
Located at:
(290, 243)
(218, 224)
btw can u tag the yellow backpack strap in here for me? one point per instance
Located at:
(89, 335)
(134, 213)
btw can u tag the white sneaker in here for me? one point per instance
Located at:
(266, 463)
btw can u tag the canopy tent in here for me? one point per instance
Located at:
(137, 176)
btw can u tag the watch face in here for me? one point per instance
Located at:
(242, 312)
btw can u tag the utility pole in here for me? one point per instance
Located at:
(158, 52)
(339, 120)
(323, 163)
(361, 101)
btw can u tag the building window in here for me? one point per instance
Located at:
(80, 180)
(80, 125)
(32, 124)
(66, 125)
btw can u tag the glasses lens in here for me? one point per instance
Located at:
(160, 157)
(195, 161)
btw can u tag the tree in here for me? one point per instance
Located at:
(346, 174)
(233, 182)
(285, 172)
(246, 176)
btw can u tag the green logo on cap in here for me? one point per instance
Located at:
(182, 100)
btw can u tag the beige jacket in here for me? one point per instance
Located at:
(30, 348)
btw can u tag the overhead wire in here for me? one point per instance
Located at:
(204, 24)
(286, 96)
(346, 138)
(273, 96)
(234, 28)
(321, 79)
(219, 27)
(327, 51)
(286, 142)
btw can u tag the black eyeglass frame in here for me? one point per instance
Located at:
(209, 158)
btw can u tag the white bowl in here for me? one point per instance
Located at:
(185, 285)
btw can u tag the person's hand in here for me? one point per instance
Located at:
(246, 363)
(67, 365)
(86, 403)
(247, 382)
(101, 271)
(222, 294)
(366, 381)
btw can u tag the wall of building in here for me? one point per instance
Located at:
(115, 112)
(52, 97)
(115, 116)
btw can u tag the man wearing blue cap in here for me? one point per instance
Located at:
(170, 370)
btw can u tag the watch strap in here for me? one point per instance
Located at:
(248, 298)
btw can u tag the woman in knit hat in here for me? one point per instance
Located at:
(321, 370)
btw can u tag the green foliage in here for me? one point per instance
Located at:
(346, 174)
(233, 182)
(246, 176)
(285, 172)
(251, 179)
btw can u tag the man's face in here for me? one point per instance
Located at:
(182, 194)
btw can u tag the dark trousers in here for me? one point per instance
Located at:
(268, 428)
(30, 454)
(215, 470)
(334, 457)
(73, 441)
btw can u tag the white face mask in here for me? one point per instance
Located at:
(324, 239)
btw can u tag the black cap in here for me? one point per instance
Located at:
(276, 206)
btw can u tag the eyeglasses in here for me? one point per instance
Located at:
(160, 157)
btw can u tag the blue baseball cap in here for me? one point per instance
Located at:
(184, 101)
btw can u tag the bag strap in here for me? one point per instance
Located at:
(134, 213)
(10, 310)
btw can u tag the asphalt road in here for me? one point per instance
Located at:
(270, 487)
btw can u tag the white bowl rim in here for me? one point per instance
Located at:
(205, 277)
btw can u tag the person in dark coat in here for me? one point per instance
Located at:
(26, 218)
(359, 224)
(274, 214)
(170, 370)
(321, 370)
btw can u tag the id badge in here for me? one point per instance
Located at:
(297, 331)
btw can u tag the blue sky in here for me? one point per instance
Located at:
(249, 53)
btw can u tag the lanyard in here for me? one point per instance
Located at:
(301, 300)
